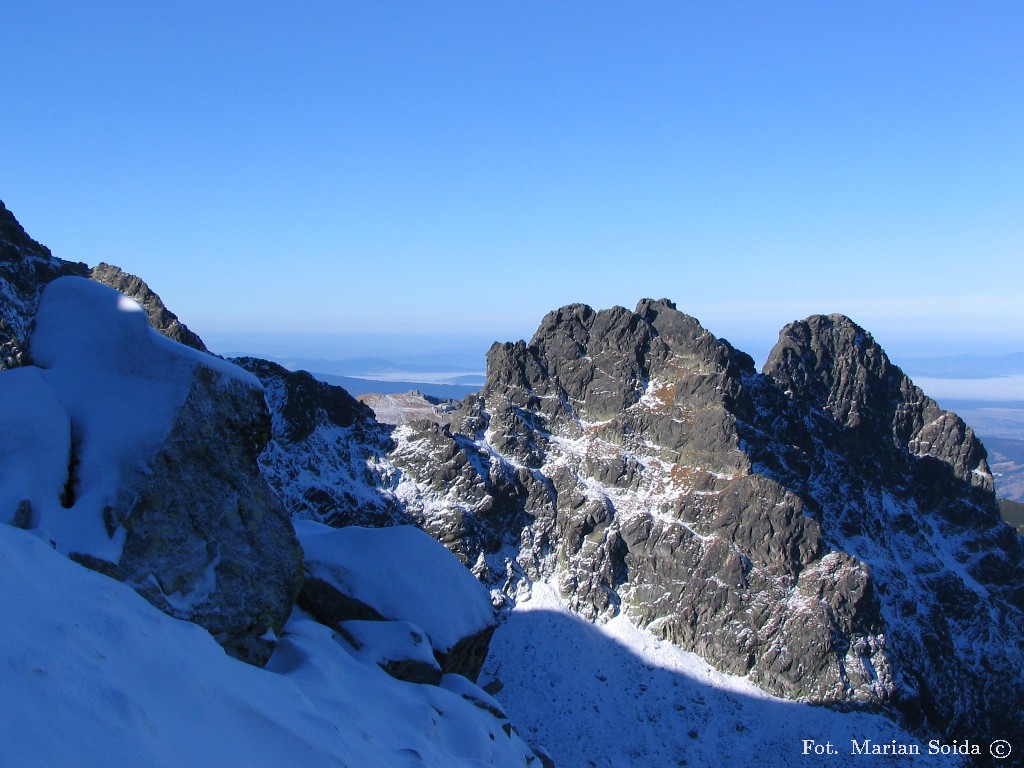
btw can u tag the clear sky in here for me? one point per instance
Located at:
(464, 167)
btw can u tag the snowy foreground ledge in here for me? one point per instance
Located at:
(93, 675)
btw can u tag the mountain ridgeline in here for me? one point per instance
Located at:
(821, 527)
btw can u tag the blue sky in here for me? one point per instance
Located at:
(324, 169)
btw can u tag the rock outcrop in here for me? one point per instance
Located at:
(25, 268)
(160, 317)
(208, 540)
(138, 457)
(357, 578)
(326, 457)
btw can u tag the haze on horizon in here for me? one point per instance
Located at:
(456, 170)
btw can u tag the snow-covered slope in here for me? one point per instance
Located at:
(104, 380)
(93, 675)
(614, 696)
(136, 456)
(402, 573)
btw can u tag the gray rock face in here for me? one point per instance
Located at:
(326, 457)
(25, 267)
(823, 528)
(630, 420)
(207, 540)
(905, 486)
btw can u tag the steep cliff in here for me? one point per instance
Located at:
(823, 528)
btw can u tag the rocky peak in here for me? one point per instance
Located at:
(836, 365)
(161, 318)
(814, 527)
(684, 334)
(25, 268)
(597, 364)
(578, 360)
(833, 366)
(14, 236)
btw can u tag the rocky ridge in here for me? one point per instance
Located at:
(25, 268)
(160, 317)
(823, 527)
(327, 455)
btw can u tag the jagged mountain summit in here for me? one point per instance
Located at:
(823, 527)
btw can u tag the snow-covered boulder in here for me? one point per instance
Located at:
(137, 456)
(400, 648)
(400, 574)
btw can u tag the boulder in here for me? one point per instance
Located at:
(400, 574)
(144, 456)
